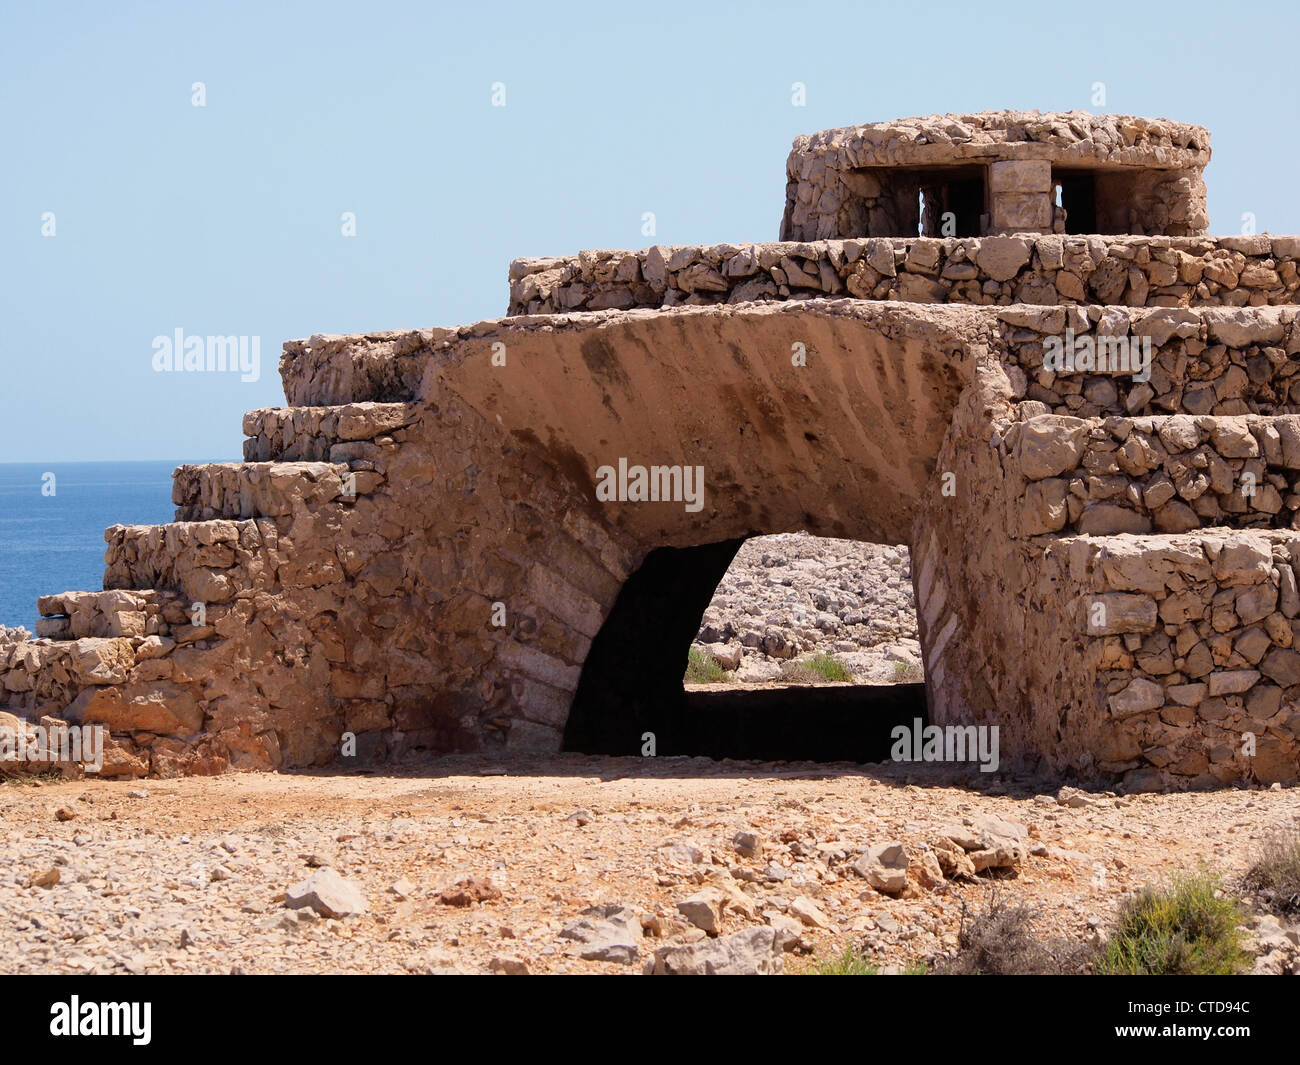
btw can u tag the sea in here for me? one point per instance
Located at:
(52, 527)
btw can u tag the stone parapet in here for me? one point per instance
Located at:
(992, 271)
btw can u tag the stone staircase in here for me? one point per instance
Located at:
(414, 554)
(157, 655)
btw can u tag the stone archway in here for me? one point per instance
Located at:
(838, 441)
(417, 555)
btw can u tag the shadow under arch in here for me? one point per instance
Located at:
(631, 699)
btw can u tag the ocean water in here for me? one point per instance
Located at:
(55, 543)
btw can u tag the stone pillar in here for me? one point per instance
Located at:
(1020, 194)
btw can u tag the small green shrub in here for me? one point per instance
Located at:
(821, 668)
(703, 668)
(853, 962)
(1185, 929)
(908, 673)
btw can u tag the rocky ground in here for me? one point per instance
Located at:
(580, 864)
(792, 595)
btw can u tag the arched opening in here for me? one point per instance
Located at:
(631, 681)
(631, 698)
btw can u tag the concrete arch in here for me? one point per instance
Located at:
(842, 446)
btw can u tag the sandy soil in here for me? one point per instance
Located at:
(190, 876)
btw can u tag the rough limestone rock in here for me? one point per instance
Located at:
(328, 894)
(755, 951)
(884, 867)
(791, 595)
(612, 934)
(703, 910)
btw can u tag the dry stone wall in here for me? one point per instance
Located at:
(1202, 361)
(1170, 474)
(1242, 271)
(1125, 633)
(349, 432)
(1194, 644)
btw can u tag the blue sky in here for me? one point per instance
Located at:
(226, 219)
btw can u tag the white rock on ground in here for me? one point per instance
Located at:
(328, 894)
